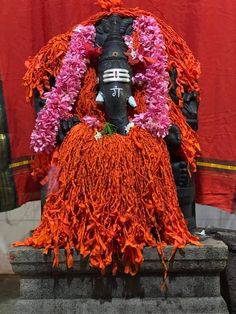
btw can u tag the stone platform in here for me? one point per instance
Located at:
(193, 284)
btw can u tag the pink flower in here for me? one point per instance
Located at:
(60, 100)
(91, 121)
(152, 48)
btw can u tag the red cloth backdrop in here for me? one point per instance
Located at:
(208, 26)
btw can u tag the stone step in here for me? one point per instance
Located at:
(97, 287)
(123, 306)
(193, 284)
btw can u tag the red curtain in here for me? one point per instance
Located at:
(208, 26)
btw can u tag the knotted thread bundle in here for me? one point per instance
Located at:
(107, 5)
(116, 196)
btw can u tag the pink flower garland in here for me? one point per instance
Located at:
(60, 100)
(152, 47)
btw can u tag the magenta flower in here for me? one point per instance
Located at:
(93, 122)
(155, 78)
(60, 100)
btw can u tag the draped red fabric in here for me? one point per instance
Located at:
(208, 27)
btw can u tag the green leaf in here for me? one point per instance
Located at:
(109, 129)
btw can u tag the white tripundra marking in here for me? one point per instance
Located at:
(116, 75)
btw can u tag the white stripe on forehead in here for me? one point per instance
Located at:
(116, 75)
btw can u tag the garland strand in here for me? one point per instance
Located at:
(149, 50)
(68, 84)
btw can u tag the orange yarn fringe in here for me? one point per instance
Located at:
(45, 64)
(116, 196)
(86, 103)
(40, 166)
(48, 61)
(108, 4)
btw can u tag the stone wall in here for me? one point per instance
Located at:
(14, 225)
